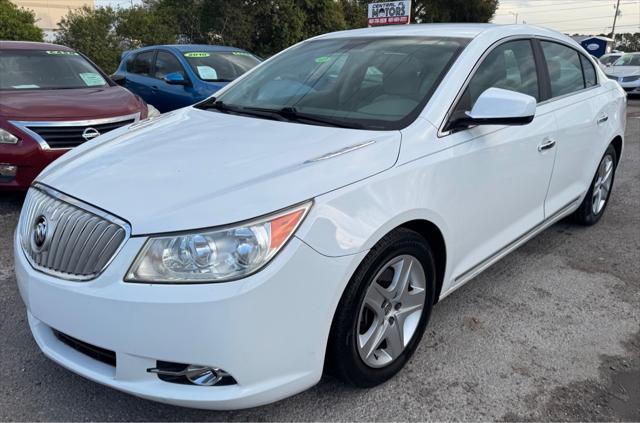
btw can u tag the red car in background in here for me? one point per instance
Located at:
(51, 100)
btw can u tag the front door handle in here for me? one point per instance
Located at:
(602, 119)
(547, 144)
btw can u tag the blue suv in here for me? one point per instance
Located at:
(173, 76)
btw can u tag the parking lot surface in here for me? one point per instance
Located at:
(552, 332)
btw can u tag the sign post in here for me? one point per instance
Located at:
(390, 13)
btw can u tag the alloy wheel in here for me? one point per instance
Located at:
(602, 185)
(391, 311)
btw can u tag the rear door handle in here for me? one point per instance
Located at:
(547, 144)
(602, 119)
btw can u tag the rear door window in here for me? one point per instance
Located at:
(565, 69)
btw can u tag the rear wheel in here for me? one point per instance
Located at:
(596, 200)
(384, 310)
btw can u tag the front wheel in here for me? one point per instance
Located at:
(383, 311)
(597, 198)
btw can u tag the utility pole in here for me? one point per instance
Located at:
(516, 15)
(615, 18)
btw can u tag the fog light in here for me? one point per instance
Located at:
(192, 374)
(8, 170)
(203, 376)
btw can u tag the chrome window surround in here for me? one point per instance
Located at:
(24, 126)
(442, 133)
(83, 206)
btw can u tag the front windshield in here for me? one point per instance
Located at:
(370, 83)
(628, 60)
(47, 70)
(220, 66)
(609, 59)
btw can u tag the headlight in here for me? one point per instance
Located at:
(7, 137)
(216, 255)
(152, 111)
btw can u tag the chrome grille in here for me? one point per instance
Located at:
(66, 238)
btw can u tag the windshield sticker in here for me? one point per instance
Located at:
(323, 59)
(207, 72)
(92, 79)
(63, 53)
(241, 53)
(193, 54)
(25, 86)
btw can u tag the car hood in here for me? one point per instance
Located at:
(623, 70)
(194, 169)
(72, 104)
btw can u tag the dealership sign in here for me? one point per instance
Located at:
(389, 13)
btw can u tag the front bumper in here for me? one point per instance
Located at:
(30, 160)
(269, 331)
(631, 87)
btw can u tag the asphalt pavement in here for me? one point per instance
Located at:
(552, 332)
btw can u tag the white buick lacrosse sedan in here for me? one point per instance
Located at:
(308, 217)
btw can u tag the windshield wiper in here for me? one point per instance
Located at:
(288, 114)
(220, 106)
(293, 115)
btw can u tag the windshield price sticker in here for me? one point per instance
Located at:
(63, 53)
(196, 54)
(389, 13)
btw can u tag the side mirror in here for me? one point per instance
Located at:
(496, 106)
(174, 78)
(119, 79)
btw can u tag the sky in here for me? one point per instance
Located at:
(570, 16)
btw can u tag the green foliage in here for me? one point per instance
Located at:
(17, 24)
(426, 11)
(91, 31)
(264, 27)
(628, 42)
(104, 33)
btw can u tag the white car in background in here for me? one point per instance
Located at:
(314, 212)
(626, 70)
(608, 59)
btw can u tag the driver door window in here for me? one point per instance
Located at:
(510, 66)
(167, 63)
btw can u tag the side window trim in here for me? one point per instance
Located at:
(443, 131)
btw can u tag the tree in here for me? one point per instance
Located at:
(140, 26)
(321, 16)
(277, 25)
(355, 13)
(18, 24)
(627, 42)
(92, 32)
(104, 33)
(424, 11)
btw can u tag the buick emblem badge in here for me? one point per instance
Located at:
(40, 230)
(90, 133)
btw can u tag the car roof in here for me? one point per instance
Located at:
(182, 48)
(454, 30)
(29, 45)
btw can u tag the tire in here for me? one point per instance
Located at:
(588, 213)
(347, 353)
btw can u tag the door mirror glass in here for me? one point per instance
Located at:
(174, 78)
(497, 106)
